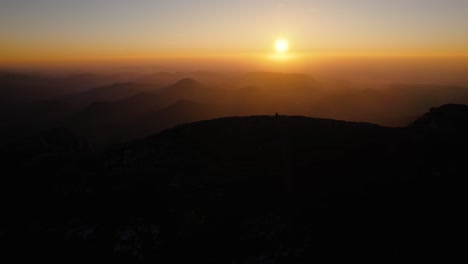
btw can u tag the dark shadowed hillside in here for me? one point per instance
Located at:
(276, 189)
(110, 123)
(449, 118)
(21, 88)
(145, 113)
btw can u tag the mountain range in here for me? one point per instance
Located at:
(109, 109)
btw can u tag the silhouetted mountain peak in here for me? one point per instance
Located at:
(451, 108)
(183, 86)
(187, 82)
(451, 117)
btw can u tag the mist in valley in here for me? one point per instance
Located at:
(123, 103)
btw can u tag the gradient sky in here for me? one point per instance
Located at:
(72, 29)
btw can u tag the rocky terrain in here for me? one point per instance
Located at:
(258, 189)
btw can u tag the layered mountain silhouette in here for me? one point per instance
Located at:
(93, 104)
(196, 166)
(277, 189)
(168, 78)
(19, 88)
(117, 91)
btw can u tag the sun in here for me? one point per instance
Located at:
(281, 45)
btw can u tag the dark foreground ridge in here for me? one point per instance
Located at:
(260, 189)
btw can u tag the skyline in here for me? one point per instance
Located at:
(58, 31)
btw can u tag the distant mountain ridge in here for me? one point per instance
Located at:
(130, 103)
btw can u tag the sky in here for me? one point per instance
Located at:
(60, 30)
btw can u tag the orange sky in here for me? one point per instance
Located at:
(241, 33)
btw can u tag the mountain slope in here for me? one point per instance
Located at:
(115, 92)
(144, 113)
(451, 117)
(283, 188)
(191, 90)
(110, 123)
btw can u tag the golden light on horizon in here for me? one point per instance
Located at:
(281, 45)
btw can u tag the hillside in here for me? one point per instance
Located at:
(284, 188)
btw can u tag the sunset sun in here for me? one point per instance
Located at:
(281, 45)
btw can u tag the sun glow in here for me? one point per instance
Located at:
(281, 45)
